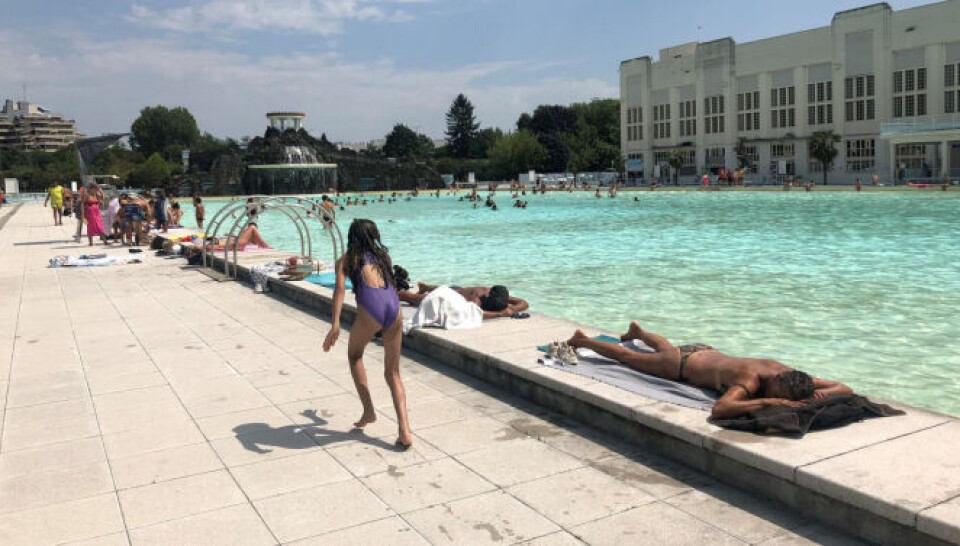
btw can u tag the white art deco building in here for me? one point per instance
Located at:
(887, 82)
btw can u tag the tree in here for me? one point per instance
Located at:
(551, 119)
(461, 127)
(163, 130)
(402, 142)
(155, 172)
(558, 154)
(603, 115)
(675, 159)
(822, 146)
(516, 152)
(486, 138)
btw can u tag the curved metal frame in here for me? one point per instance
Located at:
(291, 206)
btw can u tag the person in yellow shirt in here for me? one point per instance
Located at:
(55, 198)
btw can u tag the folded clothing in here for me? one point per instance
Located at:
(834, 411)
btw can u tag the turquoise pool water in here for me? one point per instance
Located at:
(863, 288)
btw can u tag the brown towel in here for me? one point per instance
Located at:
(835, 411)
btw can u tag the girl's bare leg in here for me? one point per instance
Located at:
(392, 338)
(361, 333)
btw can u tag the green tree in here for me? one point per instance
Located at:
(675, 159)
(603, 115)
(516, 152)
(164, 130)
(405, 143)
(486, 138)
(822, 146)
(153, 173)
(461, 127)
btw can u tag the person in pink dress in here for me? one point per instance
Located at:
(91, 212)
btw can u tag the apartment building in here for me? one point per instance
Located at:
(32, 127)
(886, 82)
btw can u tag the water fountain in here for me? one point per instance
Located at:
(287, 160)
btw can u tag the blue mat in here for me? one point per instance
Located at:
(608, 339)
(327, 280)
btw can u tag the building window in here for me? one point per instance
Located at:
(861, 155)
(782, 150)
(909, 93)
(859, 92)
(751, 156)
(688, 118)
(748, 111)
(820, 103)
(951, 86)
(662, 157)
(713, 109)
(634, 124)
(783, 113)
(661, 121)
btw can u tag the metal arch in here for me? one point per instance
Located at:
(289, 206)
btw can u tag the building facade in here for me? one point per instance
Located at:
(886, 82)
(32, 127)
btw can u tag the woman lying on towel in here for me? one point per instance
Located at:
(745, 384)
(249, 236)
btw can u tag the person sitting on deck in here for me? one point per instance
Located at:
(745, 384)
(249, 236)
(495, 301)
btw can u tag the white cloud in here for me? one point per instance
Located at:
(105, 84)
(322, 17)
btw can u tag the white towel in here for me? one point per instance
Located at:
(445, 308)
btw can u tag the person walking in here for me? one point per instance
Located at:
(55, 199)
(367, 264)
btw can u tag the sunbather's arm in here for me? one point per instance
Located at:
(737, 401)
(824, 388)
(515, 305)
(338, 293)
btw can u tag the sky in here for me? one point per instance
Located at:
(355, 67)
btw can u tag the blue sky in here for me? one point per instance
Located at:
(355, 67)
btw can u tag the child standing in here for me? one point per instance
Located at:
(367, 264)
(199, 211)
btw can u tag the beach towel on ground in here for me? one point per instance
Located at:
(327, 279)
(70, 261)
(614, 373)
(445, 308)
(835, 411)
(260, 274)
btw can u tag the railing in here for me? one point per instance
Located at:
(942, 122)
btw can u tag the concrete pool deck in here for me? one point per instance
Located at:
(150, 404)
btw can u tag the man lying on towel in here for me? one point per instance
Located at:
(746, 384)
(495, 301)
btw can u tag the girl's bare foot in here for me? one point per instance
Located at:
(366, 419)
(633, 332)
(405, 441)
(578, 338)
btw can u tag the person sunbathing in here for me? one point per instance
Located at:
(495, 301)
(745, 384)
(249, 236)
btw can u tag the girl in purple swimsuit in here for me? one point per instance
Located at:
(367, 265)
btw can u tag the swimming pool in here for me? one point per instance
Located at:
(862, 288)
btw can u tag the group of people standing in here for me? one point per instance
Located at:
(126, 218)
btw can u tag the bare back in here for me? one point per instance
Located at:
(713, 369)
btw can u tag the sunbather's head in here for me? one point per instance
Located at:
(792, 385)
(496, 300)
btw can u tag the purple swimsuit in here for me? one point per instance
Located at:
(382, 303)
